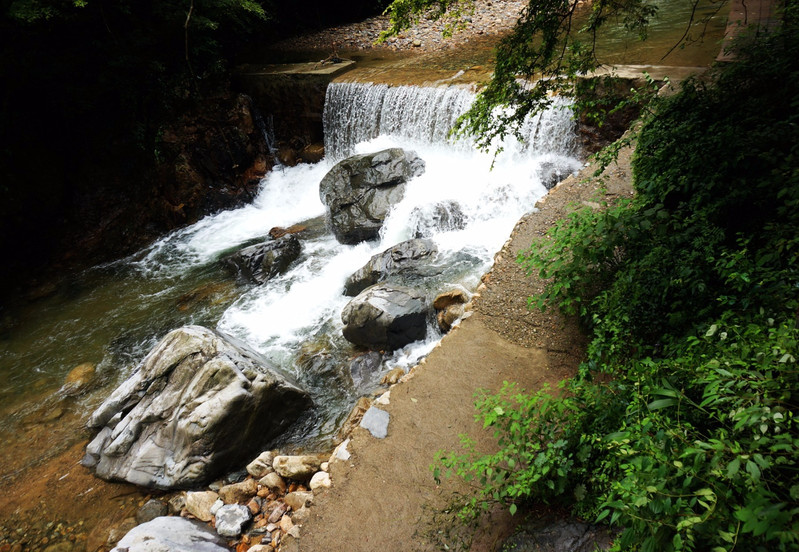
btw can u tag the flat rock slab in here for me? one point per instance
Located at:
(376, 421)
(171, 534)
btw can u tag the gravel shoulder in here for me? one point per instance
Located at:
(490, 18)
(384, 497)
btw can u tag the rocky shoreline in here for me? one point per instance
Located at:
(490, 18)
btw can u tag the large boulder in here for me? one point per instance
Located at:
(386, 317)
(262, 262)
(171, 534)
(197, 405)
(360, 190)
(408, 257)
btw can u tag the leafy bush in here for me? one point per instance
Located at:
(679, 428)
(697, 451)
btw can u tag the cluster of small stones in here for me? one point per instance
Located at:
(265, 508)
(490, 17)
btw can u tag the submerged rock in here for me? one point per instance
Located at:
(171, 534)
(365, 367)
(360, 190)
(386, 317)
(79, 379)
(262, 262)
(408, 257)
(197, 404)
(150, 510)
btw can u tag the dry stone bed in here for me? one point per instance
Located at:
(490, 17)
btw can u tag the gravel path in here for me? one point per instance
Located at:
(489, 18)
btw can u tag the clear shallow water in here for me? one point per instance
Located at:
(112, 315)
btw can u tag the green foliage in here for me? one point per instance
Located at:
(697, 451)
(713, 224)
(553, 41)
(680, 428)
(407, 13)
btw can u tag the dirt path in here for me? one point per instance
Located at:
(384, 497)
(490, 18)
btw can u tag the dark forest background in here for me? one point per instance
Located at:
(89, 89)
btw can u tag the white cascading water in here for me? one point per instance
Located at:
(294, 319)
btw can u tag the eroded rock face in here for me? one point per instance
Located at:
(386, 317)
(360, 190)
(197, 404)
(408, 257)
(262, 262)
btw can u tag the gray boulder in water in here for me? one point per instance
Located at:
(408, 257)
(197, 405)
(262, 262)
(171, 534)
(360, 190)
(386, 317)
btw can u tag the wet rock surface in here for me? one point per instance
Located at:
(450, 306)
(364, 368)
(197, 404)
(555, 534)
(386, 317)
(360, 190)
(262, 262)
(407, 259)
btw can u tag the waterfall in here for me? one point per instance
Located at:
(358, 112)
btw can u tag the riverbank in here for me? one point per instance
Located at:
(385, 493)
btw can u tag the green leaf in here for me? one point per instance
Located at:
(733, 467)
(512, 509)
(753, 470)
(661, 403)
